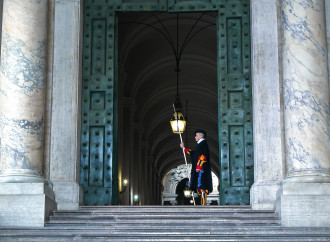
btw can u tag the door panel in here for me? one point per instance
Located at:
(191, 6)
(142, 6)
(98, 166)
(235, 102)
(97, 136)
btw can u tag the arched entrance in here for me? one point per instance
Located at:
(126, 105)
(174, 182)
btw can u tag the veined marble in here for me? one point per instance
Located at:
(25, 197)
(22, 83)
(306, 89)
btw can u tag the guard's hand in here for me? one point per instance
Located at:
(182, 145)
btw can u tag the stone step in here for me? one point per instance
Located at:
(167, 224)
(163, 237)
(164, 223)
(118, 217)
(199, 212)
(145, 212)
(166, 208)
(251, 230)
(164, 215)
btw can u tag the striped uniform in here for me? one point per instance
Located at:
(201, 178)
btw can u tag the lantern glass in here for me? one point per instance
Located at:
(187, 193)
(136, 198)
(178, 123)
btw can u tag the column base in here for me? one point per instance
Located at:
(68, 195)
(21, 176)
(304, 203)
(25, 204)
(263, 195)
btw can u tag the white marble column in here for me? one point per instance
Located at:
(327, 14)
(24, 194)
(306, 89)
(306, 192)
(267, 125)
(23, 79)
(1, 11)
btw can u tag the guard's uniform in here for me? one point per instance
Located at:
(201, 177)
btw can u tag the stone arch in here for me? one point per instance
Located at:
(172, 178)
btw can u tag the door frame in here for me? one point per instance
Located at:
(268, 132)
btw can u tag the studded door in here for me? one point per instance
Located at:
(98, 135)
(97, 165)
(235, 106)
(191, 6)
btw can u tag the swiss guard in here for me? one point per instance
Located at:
(201, 176)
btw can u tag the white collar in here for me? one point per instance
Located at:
(200, 140)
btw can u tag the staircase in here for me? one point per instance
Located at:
(164, 223)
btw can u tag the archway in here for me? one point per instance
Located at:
(178, 175)
(147, 86)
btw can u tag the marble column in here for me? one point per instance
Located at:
(327, 11)
(23, 78)
(22, 108)
(1, 11)
(305, 195)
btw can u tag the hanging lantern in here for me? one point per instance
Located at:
(187, 192)
(136, 198)
(178, 123)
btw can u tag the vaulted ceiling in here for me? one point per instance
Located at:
(147, 76)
